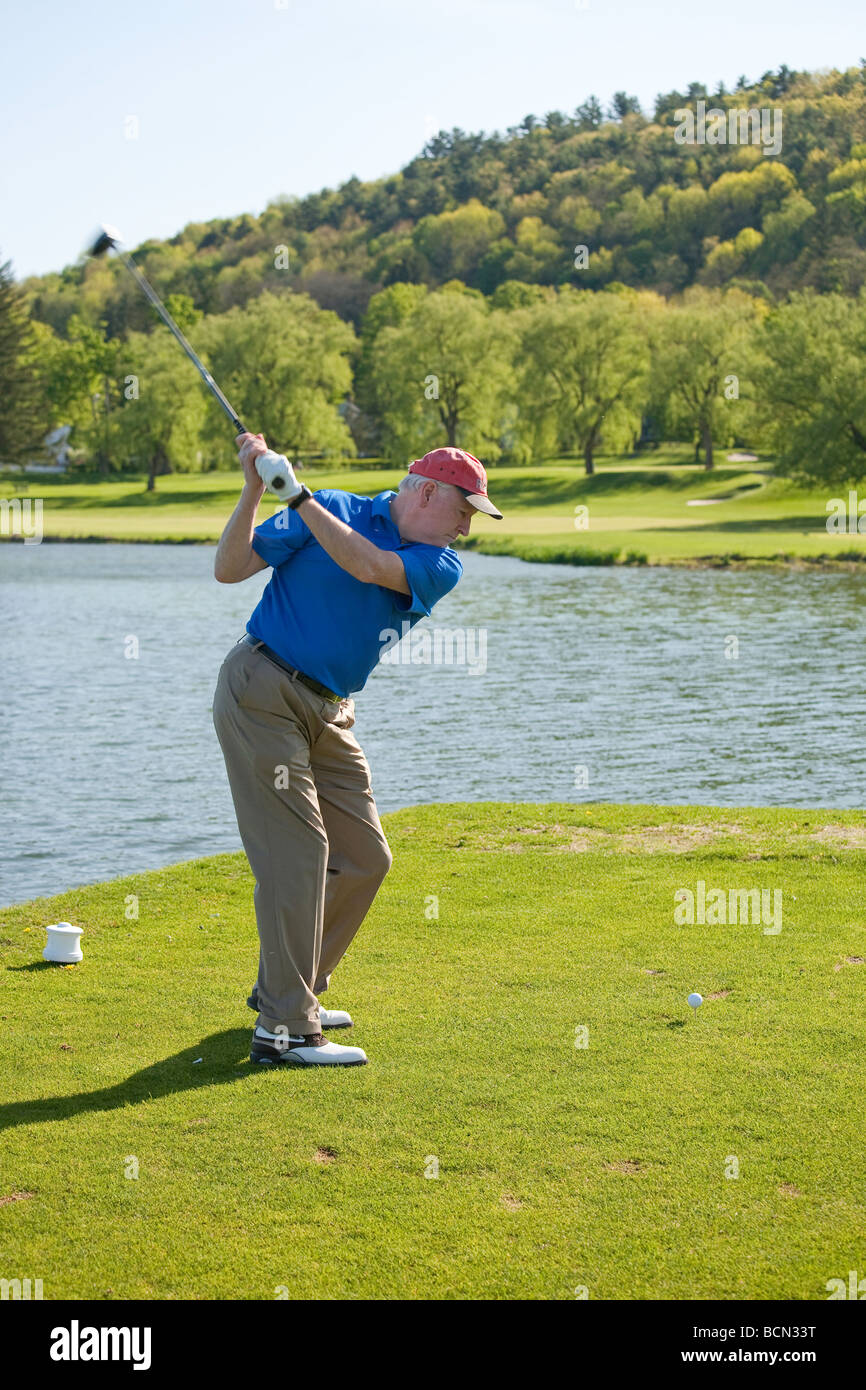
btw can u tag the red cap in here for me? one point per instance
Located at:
(460, 469)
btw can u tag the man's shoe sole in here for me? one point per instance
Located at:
(267, 1059)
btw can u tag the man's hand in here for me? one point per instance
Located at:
(250, 447)
(272, 469)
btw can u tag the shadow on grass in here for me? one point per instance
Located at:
(543, 492)
(222, 1057)
(804, 524)
(140, 497)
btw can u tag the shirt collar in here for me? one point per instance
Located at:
(382, 508)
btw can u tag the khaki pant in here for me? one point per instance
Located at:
(309, 826)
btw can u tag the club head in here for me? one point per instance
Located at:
(105, 239)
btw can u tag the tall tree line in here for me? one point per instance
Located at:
(524, 375)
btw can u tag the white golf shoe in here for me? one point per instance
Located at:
(287, 1049)
(328, 1018)
(334, 1018)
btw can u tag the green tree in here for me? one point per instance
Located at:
(515, 294)
(79, 380)
(704, 345)
(538, 255)
(285, 365)
(811, 387)
(585, 362)
(454, 244)
(623, 105)
(183, 311)
(444, 375)
(589, 115)
(160, 424)
(388, 309)
(23, 416)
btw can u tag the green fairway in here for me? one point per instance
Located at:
(657, 510)
(608, 1167)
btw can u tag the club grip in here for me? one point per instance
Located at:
(274, 471)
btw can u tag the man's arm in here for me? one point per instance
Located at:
(353, 552)
(235, 558)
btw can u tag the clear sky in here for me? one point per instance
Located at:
(234, 102)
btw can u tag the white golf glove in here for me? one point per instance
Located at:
(278, 475)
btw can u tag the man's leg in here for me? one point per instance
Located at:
(265, 727)
(359, 857)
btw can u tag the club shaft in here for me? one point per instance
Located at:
(187, 347)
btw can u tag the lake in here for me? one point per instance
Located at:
(579, 684)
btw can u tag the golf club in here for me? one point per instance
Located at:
(271, 467)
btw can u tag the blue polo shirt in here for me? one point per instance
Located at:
(322, 620)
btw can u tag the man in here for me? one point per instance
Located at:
(345, 570)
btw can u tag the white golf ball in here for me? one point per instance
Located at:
(696, 1000)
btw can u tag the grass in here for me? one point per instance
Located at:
(638, 511)
(559, 1167)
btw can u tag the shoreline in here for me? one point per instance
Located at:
(581, 558)
(610, 825)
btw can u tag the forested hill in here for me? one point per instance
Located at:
(486, 209)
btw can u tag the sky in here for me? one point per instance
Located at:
(153, 114)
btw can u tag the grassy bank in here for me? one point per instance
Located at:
(636, 512)
(609, 1167)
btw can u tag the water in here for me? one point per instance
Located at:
(110, 764)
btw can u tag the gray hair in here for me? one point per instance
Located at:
(413, 481)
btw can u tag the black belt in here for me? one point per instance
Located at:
(315, 686)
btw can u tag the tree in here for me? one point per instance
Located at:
(703, 347)
(347, 295)
(811, 387)
(668, 102)
(284, 364)
(623, 105)
(585, 362)
(79, 381)
(23, 418)
(444, 375)
(387, 309)
(160, 423)
(589, 115)
(537, 255)
(515, 294)
(183, 311)
(455, 243)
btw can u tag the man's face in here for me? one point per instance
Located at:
(438, 515)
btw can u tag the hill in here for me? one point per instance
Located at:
(486, 209)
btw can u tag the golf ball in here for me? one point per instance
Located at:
(695, 1000)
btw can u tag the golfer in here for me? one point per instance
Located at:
(345, 569)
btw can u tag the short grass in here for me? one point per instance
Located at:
(637, 511)
(608, 1167)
